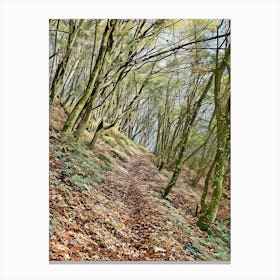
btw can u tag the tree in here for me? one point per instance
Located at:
(91, 87)
(62, 66)
(190, 117)
(222, 113)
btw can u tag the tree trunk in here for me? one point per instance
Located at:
(191, 115)
(69, 124)
(98, 131)
(61, 68)
(203, 203)
(84, 123)
(208, 217)
(223, 146)
(172, 182)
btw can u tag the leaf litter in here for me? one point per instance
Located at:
(106, 205)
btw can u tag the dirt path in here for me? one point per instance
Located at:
(130, 186)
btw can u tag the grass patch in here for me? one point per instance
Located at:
(155, 242)
(67, 170)
(107, 162)
(123, 138)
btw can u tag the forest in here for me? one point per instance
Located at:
(139, 139)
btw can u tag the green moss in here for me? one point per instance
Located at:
(67, 171)
(121, 136)
(110, 140)
(117, 151)
(107, 162)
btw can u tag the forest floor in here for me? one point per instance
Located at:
(106, 205)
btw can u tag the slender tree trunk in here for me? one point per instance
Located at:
(191, 115)
(209, 216)
(173, 181)
(206, 187)
(69, 124)
(95, 137)
(84, 123)
(55, 50)
(61, 68)
(223, 146)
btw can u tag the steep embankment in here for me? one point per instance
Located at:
(105, 204)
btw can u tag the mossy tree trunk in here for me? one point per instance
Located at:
(206, 187)
(223, 146)
(97, 132)
(209, 216)
(84, 123)
(70, 122)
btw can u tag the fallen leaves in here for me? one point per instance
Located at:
(123, 217)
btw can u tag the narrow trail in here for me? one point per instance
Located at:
(130, 186)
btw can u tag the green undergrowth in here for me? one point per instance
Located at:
(214, 247)
(176, 215)
(121, 142)
(107, 161)
(79, 166)
(120, 146)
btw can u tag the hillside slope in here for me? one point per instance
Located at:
(106, 204)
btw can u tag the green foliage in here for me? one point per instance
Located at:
(221, 233)
(121, 136)
(67, 170)
(57, 154)
(83, 150)
(82, 182)
(78, 163)
(195, 251)
(168, 118)
(217, 242)
(180, 220)
(115, 142)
